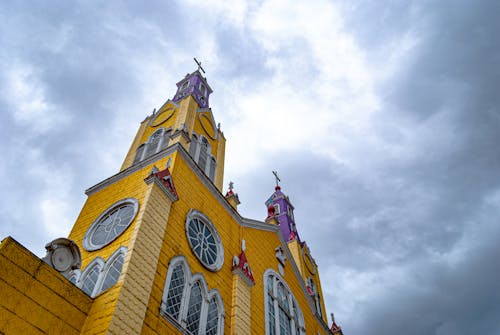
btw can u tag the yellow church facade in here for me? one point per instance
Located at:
(158, 248)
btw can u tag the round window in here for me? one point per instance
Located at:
(204, 241)
(110, 224)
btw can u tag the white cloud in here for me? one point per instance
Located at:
(25, 96)
(320, 93)
(231, 11)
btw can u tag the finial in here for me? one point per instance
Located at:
(277, 178)
(231, 186)
(333, 317)
(199, 65)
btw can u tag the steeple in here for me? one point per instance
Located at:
(281, 209)
(194, 84)
(187, 120)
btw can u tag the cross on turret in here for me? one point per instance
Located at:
(277, 178)
(199, 65)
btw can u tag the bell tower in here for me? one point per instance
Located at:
(187, 119)
(280, 212)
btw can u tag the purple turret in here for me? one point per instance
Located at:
(196, 85)
(281, 209)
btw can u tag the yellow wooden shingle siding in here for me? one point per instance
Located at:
(36, 299)
(260, 251)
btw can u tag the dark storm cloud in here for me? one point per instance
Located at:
(422, 223)
(406, 218)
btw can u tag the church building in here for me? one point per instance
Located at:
(160, 247)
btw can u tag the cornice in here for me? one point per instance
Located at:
(251, 223)
(154, 179)
(131, 169)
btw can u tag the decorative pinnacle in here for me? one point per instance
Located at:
(199, 65)
(277, 178)
(231, 186)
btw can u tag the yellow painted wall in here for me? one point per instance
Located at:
(129, 158)
(132, 186)
(141, 263)
(240, 314)
(260, 252)
(36, 299)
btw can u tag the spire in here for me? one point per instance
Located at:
(195, 85)
(232, 197)
(280, 211)
(335, 329)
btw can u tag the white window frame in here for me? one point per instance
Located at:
(103, 270)
(160, 146)
(184, 85)
(76, 274)
(207, 296)
(139, 155)
(197, 141)
(87, 239)
(196, 214)
(203, 89)
(96, 262)
(291, 302)
(120, 251)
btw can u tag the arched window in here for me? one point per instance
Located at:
(98, 276)
(283, 315)
(201, 153)
(194, 308)
(187, 302)
(177, 282)
(204, 152)
(211, 174)
(139, 153)
(90, 276)
(113, 269)
(213, 316)
(315, 295)
(154, 142)
(193, 148)
(165, 139)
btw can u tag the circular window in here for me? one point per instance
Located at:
(204, 241)
(110, 224)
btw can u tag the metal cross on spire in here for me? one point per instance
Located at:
(199, 65)
(277, 178)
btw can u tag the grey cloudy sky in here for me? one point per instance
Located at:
(381, 117)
